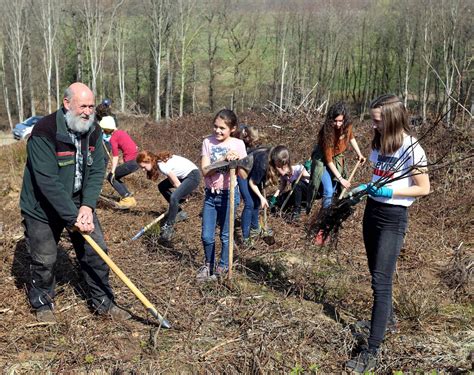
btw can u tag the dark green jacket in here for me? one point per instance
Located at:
(48, 180)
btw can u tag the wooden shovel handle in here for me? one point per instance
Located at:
(350, 178)
(164, 323)
(231, 220)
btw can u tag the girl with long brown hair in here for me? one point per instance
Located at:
(327, 159)
(395, 153)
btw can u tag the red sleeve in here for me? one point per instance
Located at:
(114, 141)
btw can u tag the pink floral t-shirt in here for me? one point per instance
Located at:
(215, 150)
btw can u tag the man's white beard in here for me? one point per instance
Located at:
(76, 123)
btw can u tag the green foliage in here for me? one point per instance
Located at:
(89, 359)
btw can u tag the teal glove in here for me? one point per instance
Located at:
(307, 165)
(272, 201)
(381, 192)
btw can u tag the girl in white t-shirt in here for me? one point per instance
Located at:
(394, 153)
(183, 178)
(217, 147)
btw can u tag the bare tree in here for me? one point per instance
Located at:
(15, 28)
(186, 35)
(215, 31)
(120, 48)
(241, 34)
(98, 33)
(159, 22)
(5, 87)
(49, 25)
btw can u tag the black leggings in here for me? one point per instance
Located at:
(188, 184)
(384, 230)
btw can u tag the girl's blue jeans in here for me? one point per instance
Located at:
(216, 213)
(329, 187)
(384, 229)
(249, 218)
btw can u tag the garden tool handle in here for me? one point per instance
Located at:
(350, 178)
(231, 219)
(151, 309)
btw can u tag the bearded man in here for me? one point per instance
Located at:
(61, 184)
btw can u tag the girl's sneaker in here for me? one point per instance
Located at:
(166, 233)
(204, 274)
(319, 240)
(363, 362)
(255, 232)
(221, 271)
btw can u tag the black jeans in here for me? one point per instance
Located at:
(188, 184)
(300, 189)
(43, 239)
(121, 171)
(384, 230)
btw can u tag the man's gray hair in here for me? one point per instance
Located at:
(68, 94)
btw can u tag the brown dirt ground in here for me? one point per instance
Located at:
(289, 307)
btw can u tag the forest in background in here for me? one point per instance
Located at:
(166, 58)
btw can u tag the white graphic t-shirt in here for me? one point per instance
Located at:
(216, 150)
(394, 165)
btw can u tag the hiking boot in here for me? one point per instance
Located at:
(118, 313)
(204, 274)
(255, 232)
(166, 232)
(181, 216)
(221, 271)
(248, 242)
(45, 314)
(319, 240)
(127, 202)
(363, 362)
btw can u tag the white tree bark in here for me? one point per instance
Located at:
(120, 46)
(5, 89)
(49, 26)
(159, 23)
(186, 11)
(16, 25)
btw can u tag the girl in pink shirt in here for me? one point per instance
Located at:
(219, 146)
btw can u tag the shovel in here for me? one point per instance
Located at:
(267, 234)
(151, 309)
(148, 226)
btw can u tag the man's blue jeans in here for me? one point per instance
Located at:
(216, 213)
(384, 229)
(249, 216)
